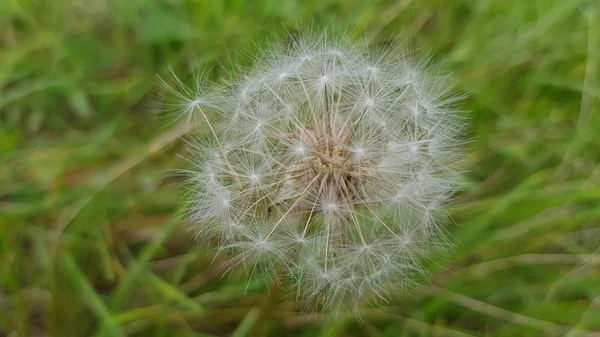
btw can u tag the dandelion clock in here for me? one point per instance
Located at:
(327, 166)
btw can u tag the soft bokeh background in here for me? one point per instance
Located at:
(89, 241)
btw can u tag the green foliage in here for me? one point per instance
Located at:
(90, 243)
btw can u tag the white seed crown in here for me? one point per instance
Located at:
(327, 166)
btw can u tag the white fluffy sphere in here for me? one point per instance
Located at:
(328, 166)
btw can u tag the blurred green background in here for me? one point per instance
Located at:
(89, 241)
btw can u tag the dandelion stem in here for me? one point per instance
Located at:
(269, 302)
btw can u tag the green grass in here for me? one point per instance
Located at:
(90, 244)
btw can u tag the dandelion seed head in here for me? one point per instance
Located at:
(329, 167)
